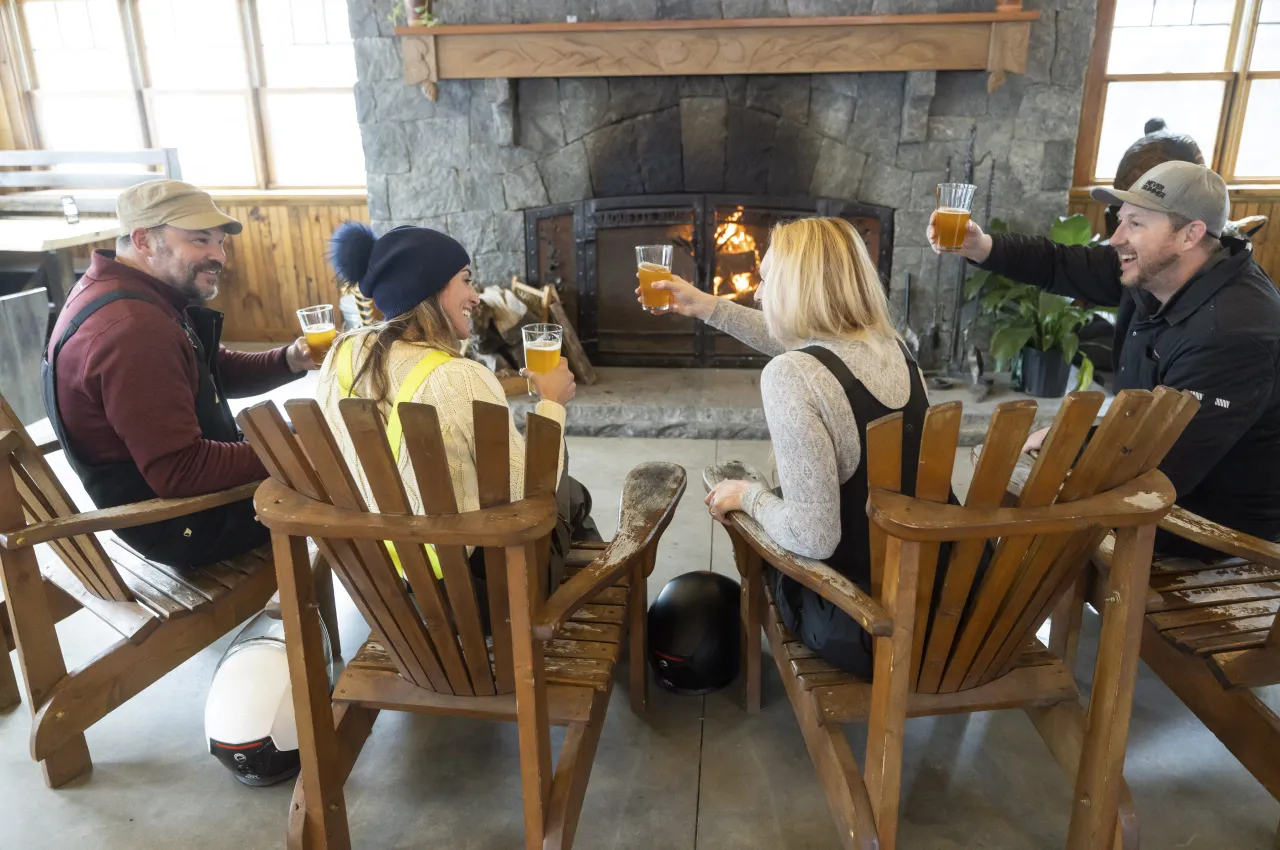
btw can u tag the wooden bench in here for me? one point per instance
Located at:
(548, 661)
(976, 650)
(55, 560)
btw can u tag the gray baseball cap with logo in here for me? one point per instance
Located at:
(1181, 188)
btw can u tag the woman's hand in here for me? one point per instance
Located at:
(686, 299)
(557, 385)
(1035, 440)
(724, 498)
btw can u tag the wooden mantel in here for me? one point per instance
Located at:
(992, 41)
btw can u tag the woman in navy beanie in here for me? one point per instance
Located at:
(420, 280)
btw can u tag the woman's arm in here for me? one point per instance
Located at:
(744, 324)
(806, 519)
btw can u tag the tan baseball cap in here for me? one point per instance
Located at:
(1182, 188)
(174, 203)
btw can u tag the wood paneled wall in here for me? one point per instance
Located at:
(277, 265)
(1266, 244)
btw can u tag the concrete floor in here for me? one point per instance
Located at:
(691, 773)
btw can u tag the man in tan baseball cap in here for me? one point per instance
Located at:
(175, 232)
(136, 379)
(1194, 312)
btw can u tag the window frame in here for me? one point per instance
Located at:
(19, 76)
(1235, 74)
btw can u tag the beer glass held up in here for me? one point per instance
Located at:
(542, 348)
(955, 201)
(653, 263)
(318, 328)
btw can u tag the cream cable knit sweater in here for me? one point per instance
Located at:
(815, 438)
(450, 389)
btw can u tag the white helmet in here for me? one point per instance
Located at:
(248, 718)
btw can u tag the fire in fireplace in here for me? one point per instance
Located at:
(586, 250)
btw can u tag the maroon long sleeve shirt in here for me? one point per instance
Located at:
(127, 385)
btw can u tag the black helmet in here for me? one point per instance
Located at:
(694, 633)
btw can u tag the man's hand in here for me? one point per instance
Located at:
(298, 356)
(976, 245)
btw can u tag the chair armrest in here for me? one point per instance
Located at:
(10, 442)
(1206, 532)
(122, 516)
(813, 574)
(1143, 500)
(649, 498)
(288, 512)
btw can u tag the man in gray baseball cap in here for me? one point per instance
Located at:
(1194, 312)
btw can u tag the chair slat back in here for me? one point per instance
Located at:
(431, 627)
(970, 624)
(43, 498)
(369, 438)
(363, 566)
(431, 469)
(493, 480)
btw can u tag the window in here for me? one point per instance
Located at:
(1210, 68)
(252, 93)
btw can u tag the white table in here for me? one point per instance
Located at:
(53, 237)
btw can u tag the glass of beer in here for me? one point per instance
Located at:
(318, 328)
(653, 263)
(955, 201)
(542, 348)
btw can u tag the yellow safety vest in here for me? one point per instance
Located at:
(395, 431)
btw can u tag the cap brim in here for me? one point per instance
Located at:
(1116, 197)
(207, 221)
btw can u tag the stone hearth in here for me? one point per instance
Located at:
(471, 162)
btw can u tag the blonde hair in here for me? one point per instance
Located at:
(822, 284)
(426, 324)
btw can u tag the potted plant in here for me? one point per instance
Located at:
(1036, 329)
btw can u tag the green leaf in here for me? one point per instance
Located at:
(1072, 230)
(1069, 344)
(1008, 341)
(1051, 305)
(1085, 375)
(997, 225)
(974, 284)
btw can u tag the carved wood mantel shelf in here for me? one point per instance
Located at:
(995, 42)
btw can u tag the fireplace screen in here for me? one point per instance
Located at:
(587, 250)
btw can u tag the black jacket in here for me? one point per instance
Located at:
(1219, 337)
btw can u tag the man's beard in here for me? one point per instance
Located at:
(1151, 270)
(184, 279)
(192, 290)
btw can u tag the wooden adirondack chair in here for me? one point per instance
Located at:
(979, 652)
(162, 615)
(1210, 634)
(549, 660)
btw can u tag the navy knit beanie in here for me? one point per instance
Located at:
(400, 269)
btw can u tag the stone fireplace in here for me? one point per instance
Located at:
(585, 250)
(503, 165)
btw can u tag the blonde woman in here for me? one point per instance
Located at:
(837, 365)
(420, 279)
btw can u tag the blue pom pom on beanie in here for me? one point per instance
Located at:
(399, 270)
